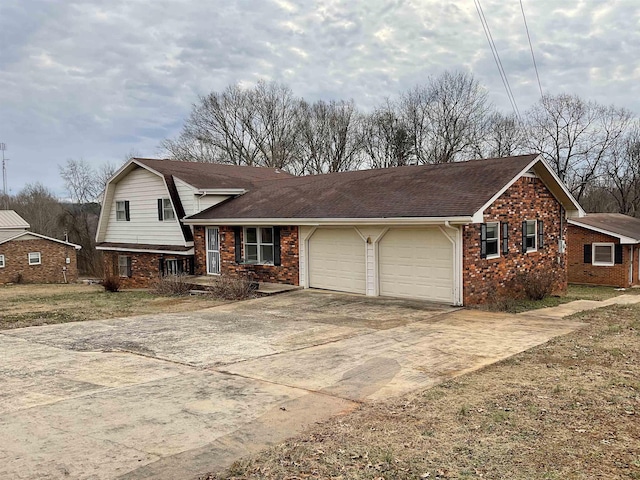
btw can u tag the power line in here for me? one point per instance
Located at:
(535, 66)
(496, 57)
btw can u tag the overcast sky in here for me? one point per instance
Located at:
(98, 79)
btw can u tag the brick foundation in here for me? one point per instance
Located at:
(52, 268)
(615, 275)
(145, 267)
(527, 199)
(287, 273)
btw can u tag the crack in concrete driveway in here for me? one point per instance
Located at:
(201, 389)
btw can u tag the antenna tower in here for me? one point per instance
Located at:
(3, 147)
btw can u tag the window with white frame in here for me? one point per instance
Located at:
(1, 261)
(493, 240)
(124, 265)
(35, 258)
(166, 209)
(531, 234)
(603, 254)
(122, 211)
(258, 244)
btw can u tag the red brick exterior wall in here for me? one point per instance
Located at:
(287, 273)
(53, 257)
(145, 267)
(580, 272)
(527, 199)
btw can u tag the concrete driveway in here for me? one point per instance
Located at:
(176, 395)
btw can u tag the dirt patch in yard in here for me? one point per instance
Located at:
(31, 305)
(567, 409)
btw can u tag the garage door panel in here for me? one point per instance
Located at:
(416, 263)
(337, 260)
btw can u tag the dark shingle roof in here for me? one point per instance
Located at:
(444, 190)
(617, 223)
(213, 175)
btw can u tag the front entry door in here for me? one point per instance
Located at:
(213, 250)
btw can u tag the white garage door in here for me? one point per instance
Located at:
(337, 260)
(416, 263)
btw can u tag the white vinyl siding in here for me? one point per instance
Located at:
(187, 197)
(142, 189)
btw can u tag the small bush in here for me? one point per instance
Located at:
(172, 285)
(111, 283)
(535, 284)
(234, 288)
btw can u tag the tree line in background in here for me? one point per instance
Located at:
(594, 148)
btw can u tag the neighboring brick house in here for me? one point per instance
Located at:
(33, 258)
(604, 249)
(453, 233)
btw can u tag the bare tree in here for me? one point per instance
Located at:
(504, 136)
(258, 126)
(329, 138)
(40, 208)
(622, 173)
(386, 139)
(446, 118)
(80, 180)
(575, 136)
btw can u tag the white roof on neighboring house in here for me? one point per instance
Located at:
(10, 219)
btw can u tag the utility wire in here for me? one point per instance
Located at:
(535, 66)
(496, 57)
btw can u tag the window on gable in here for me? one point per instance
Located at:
(530, 236)
(124, 265)
(35, 258)
(165, 210)
(603, 254)
(1, 261)
(122, 211)
(493, 241)
(258, 245)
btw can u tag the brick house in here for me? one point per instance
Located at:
(33, 258)
(604, 249)
(450, 233)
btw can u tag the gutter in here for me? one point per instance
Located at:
(315, 222)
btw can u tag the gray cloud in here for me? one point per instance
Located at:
(97, 78)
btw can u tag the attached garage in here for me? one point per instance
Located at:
(416, 263)
(337, 260)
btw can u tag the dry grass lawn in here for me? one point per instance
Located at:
(568, 409)
(30, 305)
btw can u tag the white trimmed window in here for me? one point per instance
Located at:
(165, 210)
(603, 254)
(531, 234)
(493, 240)
(124, 265)
(1, 261)
(122, 211)
(258, 245)
(35, 258)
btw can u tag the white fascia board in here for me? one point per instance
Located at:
(538, 159)
(462, 220)
(623, 239)
(145, 250)
(221, 191)
(21, 234)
